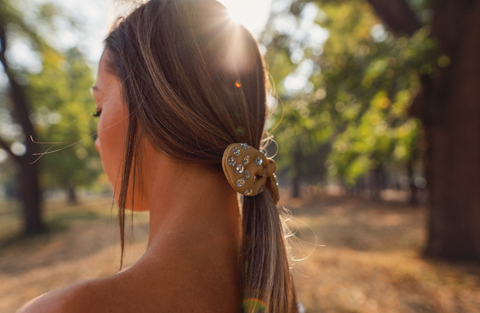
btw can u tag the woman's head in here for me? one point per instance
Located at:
(193, 83)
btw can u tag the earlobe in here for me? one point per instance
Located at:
(97, 145)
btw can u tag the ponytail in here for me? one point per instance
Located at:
(266, 280)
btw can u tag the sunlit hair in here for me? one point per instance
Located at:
(194, 83)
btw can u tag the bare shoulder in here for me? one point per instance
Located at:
(79, 297)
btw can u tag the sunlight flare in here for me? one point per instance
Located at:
(253, 14)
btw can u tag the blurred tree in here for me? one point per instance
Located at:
(448, 105)
(20, 149)
(62, 98)
(352, 106)
(44, 102)
(365, 86)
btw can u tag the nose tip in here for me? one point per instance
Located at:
(97, 145)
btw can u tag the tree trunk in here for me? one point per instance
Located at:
(31, 199)
(372, 188)
(297, 168)
(449, 107)
(29, 184)
(377, 182)
(71, 195)
(451, 118)
(413, 199)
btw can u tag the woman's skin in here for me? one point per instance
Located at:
(190, 264)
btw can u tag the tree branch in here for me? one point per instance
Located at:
(396, 15)
(3, 48)
(19, 98)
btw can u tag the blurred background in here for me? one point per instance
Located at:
(376, 116)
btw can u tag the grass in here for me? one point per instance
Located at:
(370, 262)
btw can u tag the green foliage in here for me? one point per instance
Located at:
(58, 93)
(63, 103)
(355, 118)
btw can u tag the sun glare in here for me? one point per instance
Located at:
(253, 14)
(234, 16)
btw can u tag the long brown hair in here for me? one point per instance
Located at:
(194, 82)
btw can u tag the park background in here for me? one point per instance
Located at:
(375, 113)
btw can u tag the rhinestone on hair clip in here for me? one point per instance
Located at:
(248, 170)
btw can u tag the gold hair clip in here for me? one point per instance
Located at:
(248, 170)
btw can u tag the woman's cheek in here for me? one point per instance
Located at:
(111, 138)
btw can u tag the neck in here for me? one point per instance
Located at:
(194, 238)
(193, 211)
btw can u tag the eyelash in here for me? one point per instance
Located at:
(97, 114)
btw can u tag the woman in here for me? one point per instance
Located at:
(179, 87)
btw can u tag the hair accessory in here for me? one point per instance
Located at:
(248, 170)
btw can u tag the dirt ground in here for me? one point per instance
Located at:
(352, 255)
